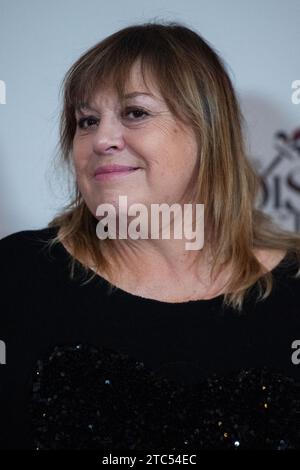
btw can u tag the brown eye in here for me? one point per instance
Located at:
(86, 122)
(137, 113)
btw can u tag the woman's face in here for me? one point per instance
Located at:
(139, 133)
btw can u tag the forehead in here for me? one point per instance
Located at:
(137, 84)
(141, 80)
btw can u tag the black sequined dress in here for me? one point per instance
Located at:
(89, 370)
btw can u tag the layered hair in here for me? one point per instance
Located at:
(195, 84)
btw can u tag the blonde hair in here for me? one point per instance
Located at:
(195, 85)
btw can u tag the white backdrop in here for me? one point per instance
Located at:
(39, 40)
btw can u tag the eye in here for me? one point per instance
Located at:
(87, 122)
(138, 113)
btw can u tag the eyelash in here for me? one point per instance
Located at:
(82, 121)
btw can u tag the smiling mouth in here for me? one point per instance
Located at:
(113, 173)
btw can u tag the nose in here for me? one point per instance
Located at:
(109, 138)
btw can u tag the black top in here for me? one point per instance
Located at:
(85, 369)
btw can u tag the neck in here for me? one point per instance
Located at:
(148, 259)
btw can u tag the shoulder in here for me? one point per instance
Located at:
(24, 254)
(26, 241)
(29, 237)
(270, 258)
(281, 263)
(280, 298)
(283, 302)
(20, 269)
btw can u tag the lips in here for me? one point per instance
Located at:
(114, 169)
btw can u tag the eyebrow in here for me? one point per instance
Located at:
(138, 93)
(134, 94)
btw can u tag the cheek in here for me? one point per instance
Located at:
(80, 156)
(178, 156)
(152, 142)
(184, 151)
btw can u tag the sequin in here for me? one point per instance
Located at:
(73, 406)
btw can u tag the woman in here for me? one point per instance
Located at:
(137, 343)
